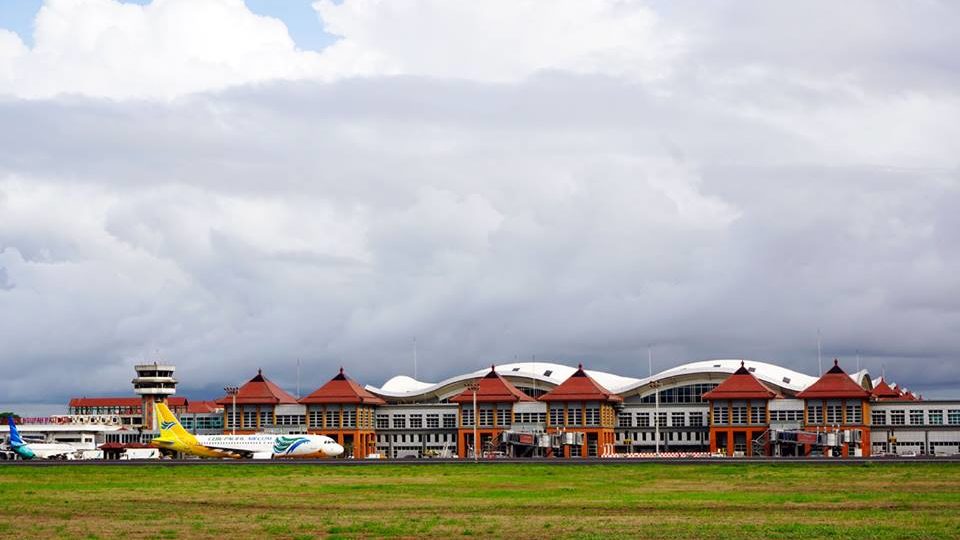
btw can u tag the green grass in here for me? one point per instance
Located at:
(483, 501)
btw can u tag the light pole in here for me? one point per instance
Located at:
(656, 415)
(232, 391)
(473, 387)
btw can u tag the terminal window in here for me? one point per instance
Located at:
(936, 417)
(953, 417)
(815, 414)
(833, 414)
(758, 414)
(677, 419)
(916, 417)
(720, 413)
(450, 420)
(897, 418)
(433, 421)
(739, 415)
(416, 421)
(854, 414)
(878, 418)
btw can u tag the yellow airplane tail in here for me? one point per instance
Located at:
(170, 428)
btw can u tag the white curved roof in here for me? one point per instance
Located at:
(770, 373)
(402, 386)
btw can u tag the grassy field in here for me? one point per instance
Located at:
(503, 500)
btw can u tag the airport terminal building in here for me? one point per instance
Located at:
(539, 409)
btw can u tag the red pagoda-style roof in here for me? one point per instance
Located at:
(203, 407)
(741, 385)
(493, 389)
(342, 389)
(883, 392)
(580, 387)
(259, 390)
(135, 402)
(835, 383)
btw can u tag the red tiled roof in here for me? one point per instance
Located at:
(259, 390)
(173, 401)
(883, 392)
(835, 383)
(342, 389)
(740, 385)
(580, 387)
(493, 389)
(202, 407)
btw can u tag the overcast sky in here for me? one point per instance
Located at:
(227, 186)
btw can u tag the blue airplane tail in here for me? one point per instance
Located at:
(15, 439)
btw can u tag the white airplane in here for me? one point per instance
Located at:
(257, 446)
(37, 450)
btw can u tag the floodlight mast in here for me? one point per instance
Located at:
(473, 387)
(233, 391)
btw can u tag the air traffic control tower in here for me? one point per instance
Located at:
(154, 384)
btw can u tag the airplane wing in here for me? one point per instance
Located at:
(226, 452)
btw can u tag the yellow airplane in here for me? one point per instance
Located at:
(257, 446)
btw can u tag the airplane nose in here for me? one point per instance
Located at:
(335, 449)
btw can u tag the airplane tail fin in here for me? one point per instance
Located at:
(170, 427)
(15, 438)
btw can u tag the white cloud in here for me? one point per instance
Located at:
(169, 48)
(165, 49)
(497, 40)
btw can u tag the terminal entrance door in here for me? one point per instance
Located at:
(722, 442)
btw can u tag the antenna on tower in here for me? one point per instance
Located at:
(650, 360)
(819, 356)
(534, 375)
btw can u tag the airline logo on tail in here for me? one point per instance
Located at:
(19, 447)
(172, 434)
(286, 445)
